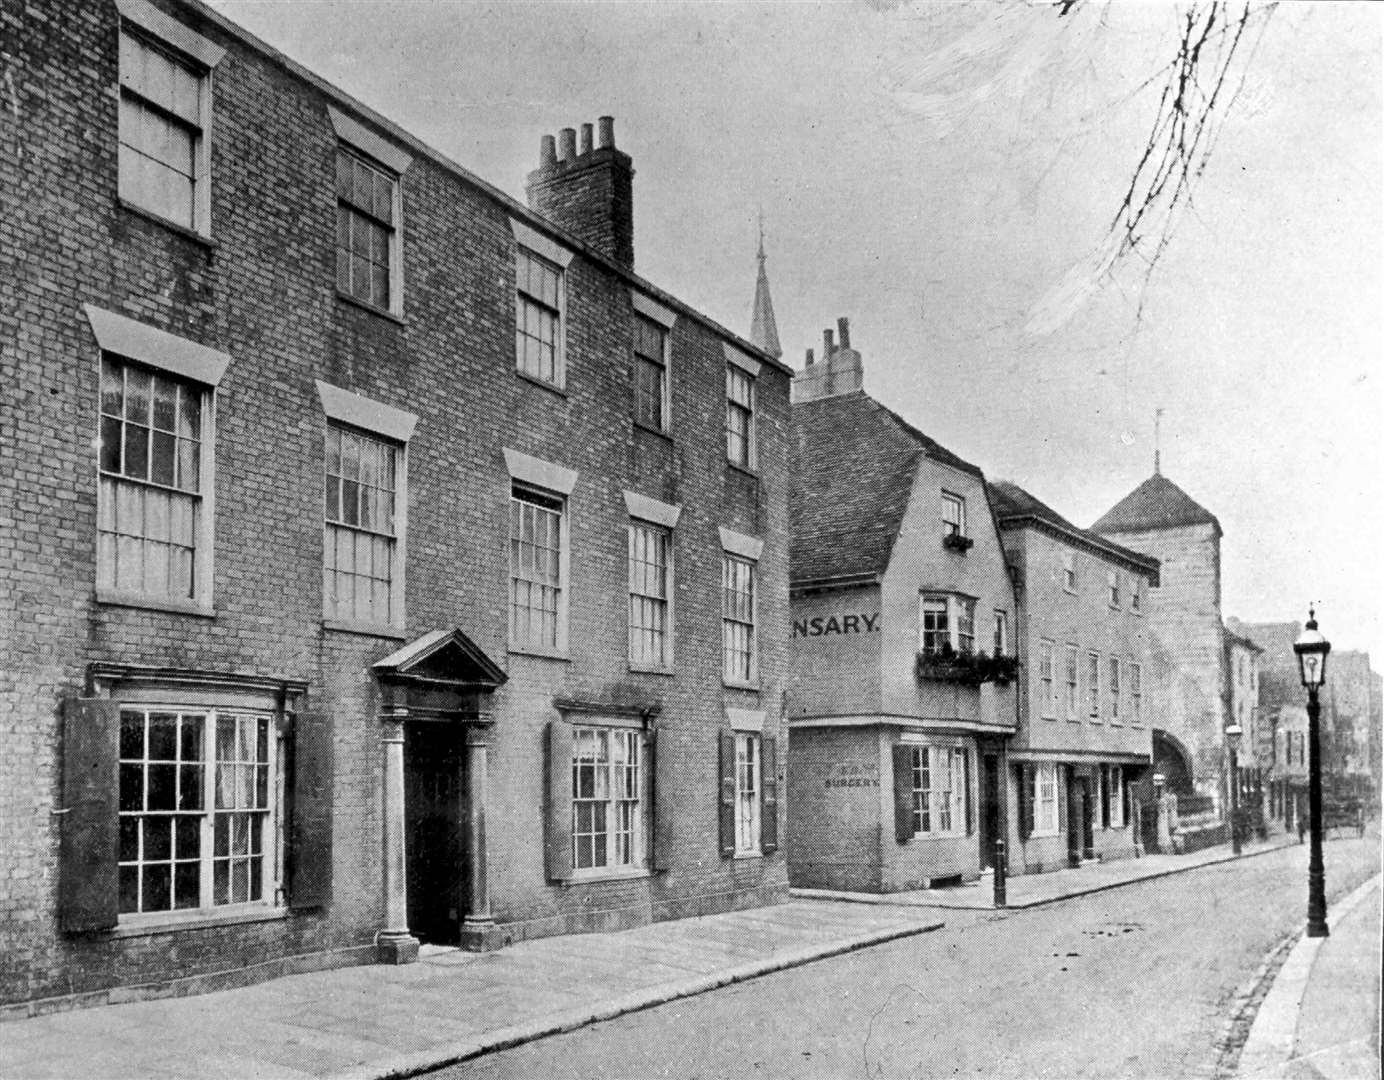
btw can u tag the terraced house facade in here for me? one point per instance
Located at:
(383, 558)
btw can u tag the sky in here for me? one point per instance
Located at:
(940, 174)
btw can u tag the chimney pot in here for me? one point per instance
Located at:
(607, 132)
(585, 139)
(827, 347)
(810, 359)
(547, 152)
(843, 331)
(567, 144)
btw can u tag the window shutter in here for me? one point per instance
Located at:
(661, 805)
(1026, 796)
(1127, 801)
(310, 825)
(966, 779)
(726, 803)
(1105, 796)
(768, 786)
(89, 896)
(557, 836)
(903, 792)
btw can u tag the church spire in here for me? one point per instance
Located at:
(763, 327)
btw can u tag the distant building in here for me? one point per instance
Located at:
(1088, 686)
(1161, 520)
(901, 692)
(382, 558)
(1242, 708)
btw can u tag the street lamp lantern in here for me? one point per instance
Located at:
(1233, 731)
(1312, 649)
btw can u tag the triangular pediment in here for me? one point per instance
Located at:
(446, 657)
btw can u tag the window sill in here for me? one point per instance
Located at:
(115, 598)
(1117, 723)
(365, 305)
(200, 919)
(1094, 720)
(186, 233)
(1046, 716)
(1040, 834)
(735, 684)
(1069, 592)
(539, 653)
(746, 470)
(939, 836)
(645, 669)
(649, 429)
(595, 877)
(368, 629)
(747, 855)
(542, 384)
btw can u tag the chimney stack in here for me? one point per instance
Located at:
(588, 194)
(840, 372)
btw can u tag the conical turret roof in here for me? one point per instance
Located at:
(1157, 503)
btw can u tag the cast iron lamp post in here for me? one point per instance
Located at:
(1233, 732)
(1311, 649)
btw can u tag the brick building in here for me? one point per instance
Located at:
(898, 706)
(1161, 520)
(1087, 687)
(1242, 707)
(380, 558)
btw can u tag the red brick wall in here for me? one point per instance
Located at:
(263, 291)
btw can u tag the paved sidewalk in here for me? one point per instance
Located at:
(1320, 1019)
(1031, 890)
(380, 1021)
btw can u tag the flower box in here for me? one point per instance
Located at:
(968, 669)
(957, 542)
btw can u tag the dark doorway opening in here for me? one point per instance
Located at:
(990, 817)
(433, 830)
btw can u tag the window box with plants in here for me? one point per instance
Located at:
(955, 541)
(967, 668)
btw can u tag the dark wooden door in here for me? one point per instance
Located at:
(990, 817)
(1075, 811)
(433, 832)
(1088, 819)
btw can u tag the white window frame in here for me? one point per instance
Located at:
(146, 26)
(1093, 688)
(939, 810)
(1047, 676)
(1112, 581)
(664, 318)
(749, 764)
(393, 427)
(125, 340)
(735, 375)
(1069, 581)
(630, 832)
(1072, 681)
(523, 299)
(953, 514)
(1136, 600)
(1000, 640)
(736, 546)
(356, 139)
(1113, 688)
(641, 532)
(546, 480)
(1116, 797)
(957, 605)
(1136, 693)
(1046, 819)
(272, 876)
(548, 502)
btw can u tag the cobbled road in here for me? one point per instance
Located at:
(1139, 981)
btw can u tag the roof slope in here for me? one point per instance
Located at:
(1013, 505)
(1157, 503)
(853, 467)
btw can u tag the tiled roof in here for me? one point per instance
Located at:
(853, 467)
(1157, 503)
(1012, 505)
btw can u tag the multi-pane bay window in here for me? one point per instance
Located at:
(650, 585)
(739, 662)
(537, 530)
(199, 792)
(650, 373)
(1114, 688)
(165, 110)
(740, 422)
(1093, 685)
(946, 623)
(607, 786)
(366, 229)
(361, 563)
(930, 790)
(154, 433)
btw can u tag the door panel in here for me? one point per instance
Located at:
(433, 830)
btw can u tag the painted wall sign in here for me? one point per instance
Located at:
(822, 625)
(853, 774)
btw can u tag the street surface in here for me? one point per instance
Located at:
(1138, 981)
